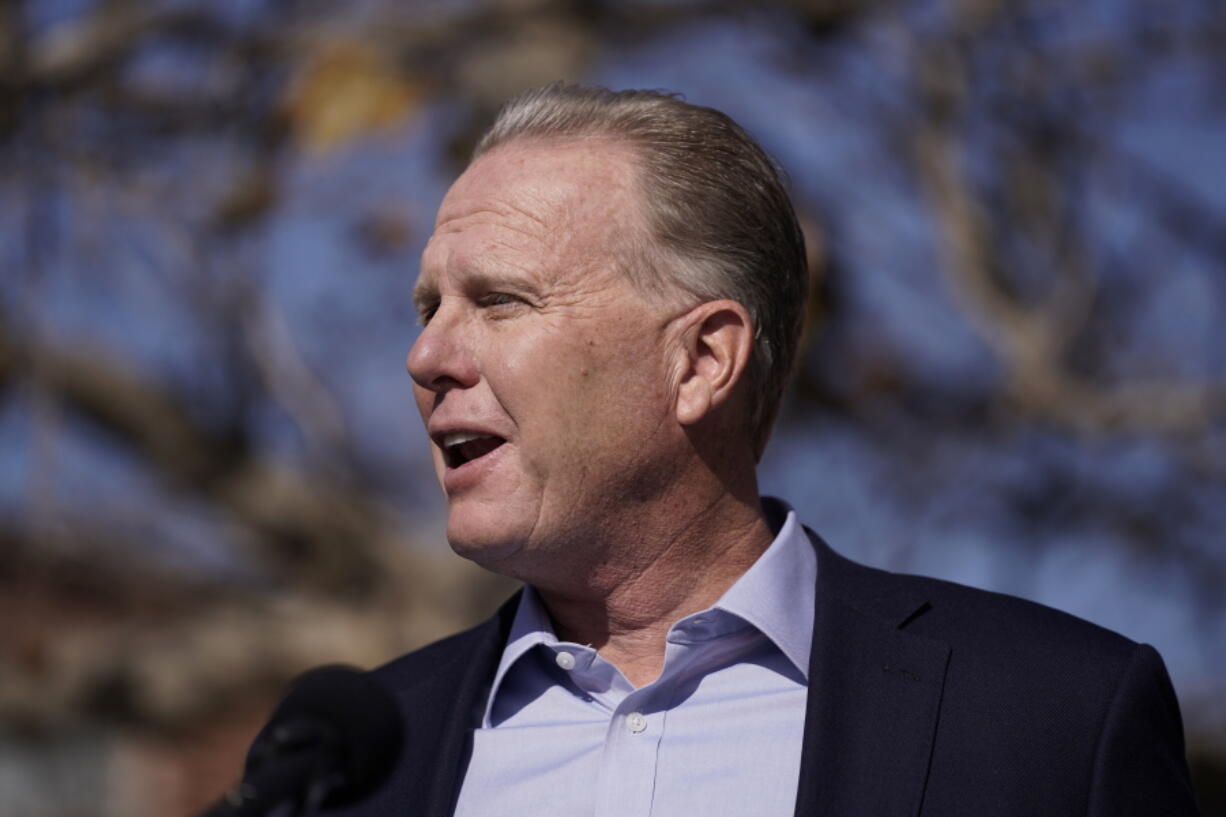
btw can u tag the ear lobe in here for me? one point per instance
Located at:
(718, 340)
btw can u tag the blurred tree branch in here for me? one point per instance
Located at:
(1003, 128)
(317, 532)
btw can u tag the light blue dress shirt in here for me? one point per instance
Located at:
(717, 734)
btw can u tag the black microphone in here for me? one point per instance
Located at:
(334, 738)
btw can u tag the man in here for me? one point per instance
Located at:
(611, 303)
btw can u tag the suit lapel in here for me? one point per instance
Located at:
(874, 696)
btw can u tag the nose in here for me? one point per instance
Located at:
(441, 358)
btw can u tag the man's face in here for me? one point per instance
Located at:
(542, 373)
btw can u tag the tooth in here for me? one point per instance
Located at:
(460, 437)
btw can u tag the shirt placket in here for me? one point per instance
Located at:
(627, 779)
(625, 783)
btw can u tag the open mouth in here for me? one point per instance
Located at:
(464, 446)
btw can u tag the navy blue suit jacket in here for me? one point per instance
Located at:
(926, 699)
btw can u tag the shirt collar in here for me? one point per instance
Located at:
(775, 596)
(530, 627)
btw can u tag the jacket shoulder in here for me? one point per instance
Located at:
(967, 616)
(1026, 683)
(997, 615)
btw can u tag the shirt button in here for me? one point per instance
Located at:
(635, 722)
(565, 660)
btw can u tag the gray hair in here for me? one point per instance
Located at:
(716, 209)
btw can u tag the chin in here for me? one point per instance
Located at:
(489, 545)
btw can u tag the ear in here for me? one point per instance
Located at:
(717, 339)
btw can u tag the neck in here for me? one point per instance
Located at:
(627, 610)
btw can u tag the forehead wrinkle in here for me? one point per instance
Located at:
(547, 195)
(503, 217)
(562, 219)
(454, 259)
(564, 245)
(510, 232)
(499, 194)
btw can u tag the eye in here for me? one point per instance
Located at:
(501, 301)
(425, 311)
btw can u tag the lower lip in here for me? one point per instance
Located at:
(462, 478)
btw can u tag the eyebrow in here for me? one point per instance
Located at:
(424, 292)
(425, 295)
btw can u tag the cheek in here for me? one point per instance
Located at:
(543, 371)
(576, 391)
(620, 389)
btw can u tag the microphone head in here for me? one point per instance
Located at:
(343, 717)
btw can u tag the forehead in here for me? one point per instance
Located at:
(536, 204)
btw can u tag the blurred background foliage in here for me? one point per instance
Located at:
(212, 474)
